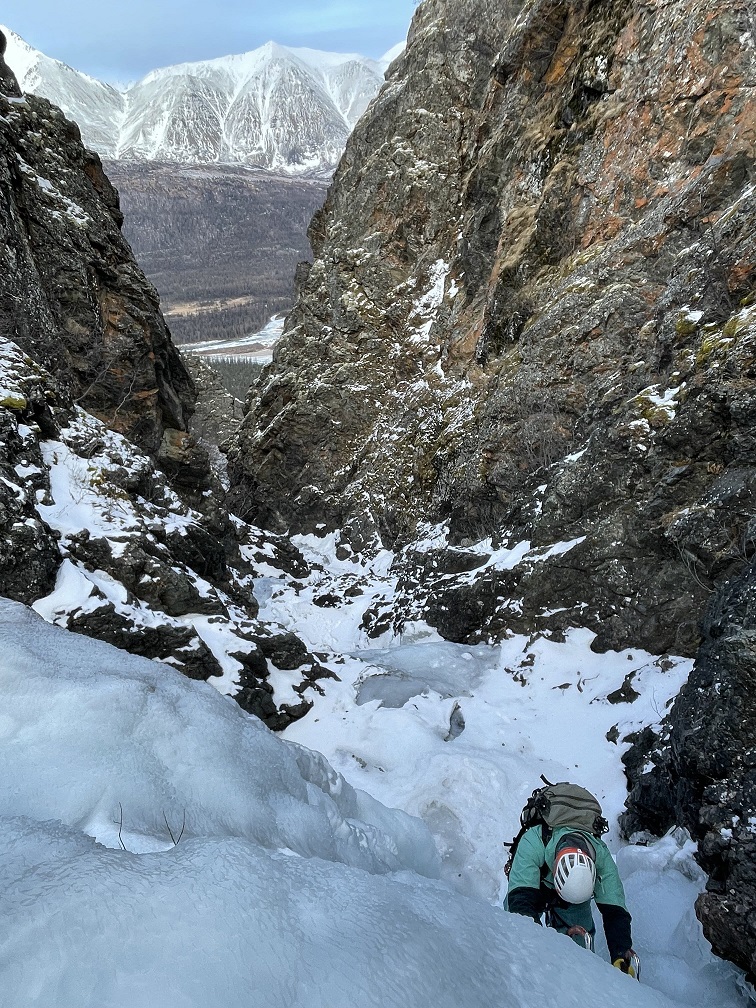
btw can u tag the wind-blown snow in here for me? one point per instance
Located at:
(233, 869)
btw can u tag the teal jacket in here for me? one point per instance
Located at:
(531, 885)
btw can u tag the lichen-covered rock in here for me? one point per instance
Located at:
(701, 772)
(530, 314)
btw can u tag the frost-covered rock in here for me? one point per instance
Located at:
(144, 570)
(28, 550)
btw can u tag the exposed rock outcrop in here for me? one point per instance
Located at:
(530, 315)
(701, 771)
(29, 555)
(218, 414)
(72, 296)
(8, 82)
(109, 522)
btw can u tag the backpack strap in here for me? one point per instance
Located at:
(546, 832)
(513, 849)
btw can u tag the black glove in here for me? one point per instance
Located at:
(628, 963)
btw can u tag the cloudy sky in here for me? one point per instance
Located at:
(121, 40)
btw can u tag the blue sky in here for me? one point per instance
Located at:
(121, 40)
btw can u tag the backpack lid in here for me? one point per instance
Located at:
(571, 805)
(559, 805)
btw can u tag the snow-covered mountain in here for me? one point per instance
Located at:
(290, 110)
(96, 107)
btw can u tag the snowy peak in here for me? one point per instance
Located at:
(20, 55)
(95, 106)
(289, 110)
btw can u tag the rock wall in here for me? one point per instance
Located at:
(111, 524)
(700, 771)
(530, 316)
(72, 296)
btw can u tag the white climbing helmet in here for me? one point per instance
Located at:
(574, 875)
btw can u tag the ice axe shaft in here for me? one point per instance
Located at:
(580, 933)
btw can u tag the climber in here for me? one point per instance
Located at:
(558, 875)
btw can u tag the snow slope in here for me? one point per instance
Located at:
(231, 868)
(129, 753)
(162, 848)
(289, 110)
(460, 736)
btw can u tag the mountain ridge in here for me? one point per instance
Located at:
(285, 109)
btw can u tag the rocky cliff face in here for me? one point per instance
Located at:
(110, 524)
(73, 297)
(523, 357)
(700, 771)
(530, 316)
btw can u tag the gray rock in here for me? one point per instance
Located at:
(8, 82)
(29, 556)
(527, 284)
(179, 647)
(703, 772)
(77, 302)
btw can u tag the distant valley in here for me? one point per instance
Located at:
(220, 243)
(220, 166)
